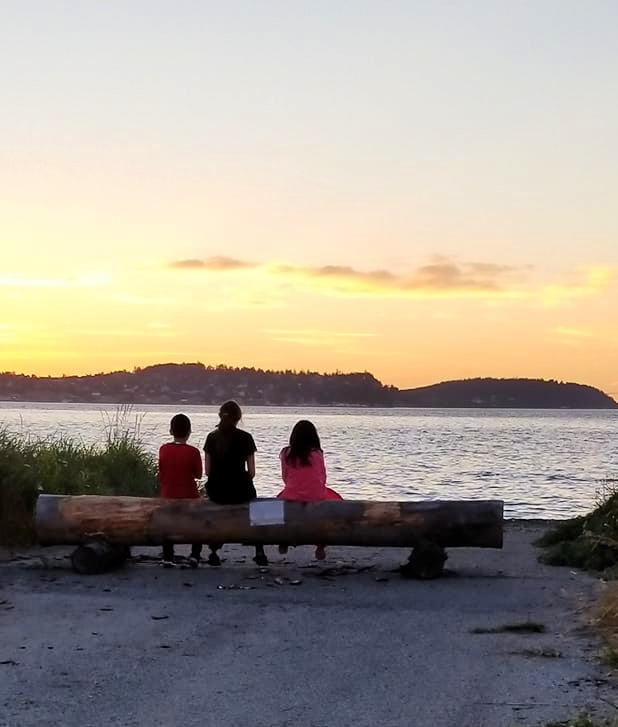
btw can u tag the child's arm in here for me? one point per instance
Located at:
(197, 472)
(250, 455)
(251, 465)
(159, 462)
(207, 447)
(284, 465)
(321, 466)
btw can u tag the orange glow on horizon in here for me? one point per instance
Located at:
(245, 315)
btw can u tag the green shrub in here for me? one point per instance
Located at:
(567, 530)
(62, 466)
(584, 721)
(589, 542)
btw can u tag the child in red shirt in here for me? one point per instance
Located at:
(180, 465)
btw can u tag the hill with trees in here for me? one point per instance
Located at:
(194, 383)
(507, 393)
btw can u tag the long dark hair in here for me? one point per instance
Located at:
(303, 440)
(229, 416)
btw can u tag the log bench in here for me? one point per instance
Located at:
(104, 527)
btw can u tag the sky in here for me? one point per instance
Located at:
(423, 190)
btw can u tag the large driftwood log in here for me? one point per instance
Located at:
(80, 519)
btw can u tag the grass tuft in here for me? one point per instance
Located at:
(606, 621)
(584, 721)
(588, 542)
(59, 465)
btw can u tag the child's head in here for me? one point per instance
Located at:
(229, 415)
(180, 426)
(303, 440)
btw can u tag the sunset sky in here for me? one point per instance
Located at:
(424, 190)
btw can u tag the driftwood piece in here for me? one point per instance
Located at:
(66, 519)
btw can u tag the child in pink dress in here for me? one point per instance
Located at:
(304, 473)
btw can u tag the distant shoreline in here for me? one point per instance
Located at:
(249, 404)
(194, 383)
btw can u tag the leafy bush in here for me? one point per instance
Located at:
(590, 541)
(62, 466)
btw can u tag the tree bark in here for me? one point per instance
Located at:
(66, 519)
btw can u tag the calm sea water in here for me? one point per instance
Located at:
(541, 463)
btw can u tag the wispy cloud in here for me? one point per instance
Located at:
(158, 326)
(141, 300)
(83, 281)
(577, 333)
(7, 332)
(314, 336)
(584, 282)
(148, 332)
(573, 337)
(441, 277)
(216, 264)
(318, 332)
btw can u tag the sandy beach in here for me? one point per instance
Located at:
(345, 642)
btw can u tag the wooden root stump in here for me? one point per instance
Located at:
(425, 562)
(99, 556)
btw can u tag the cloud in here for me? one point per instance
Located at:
(131, 299)
(586, 281)
(7, 332)
(567, 332)
(148, 332)
(158, 326)
(438, 277)
(84, 281)
(216, 264)
(441, 277)
(573, 337)
(340, 273)
(319, 332)
(314, 336)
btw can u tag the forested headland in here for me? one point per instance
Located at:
(195, 383)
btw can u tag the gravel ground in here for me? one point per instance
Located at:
(343, 643)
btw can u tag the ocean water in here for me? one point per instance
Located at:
(547, 464)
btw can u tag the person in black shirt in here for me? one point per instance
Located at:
(229, 465)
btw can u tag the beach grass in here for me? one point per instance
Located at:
(606, 621)
(584, 721)
(60, 465)
(590, 541)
